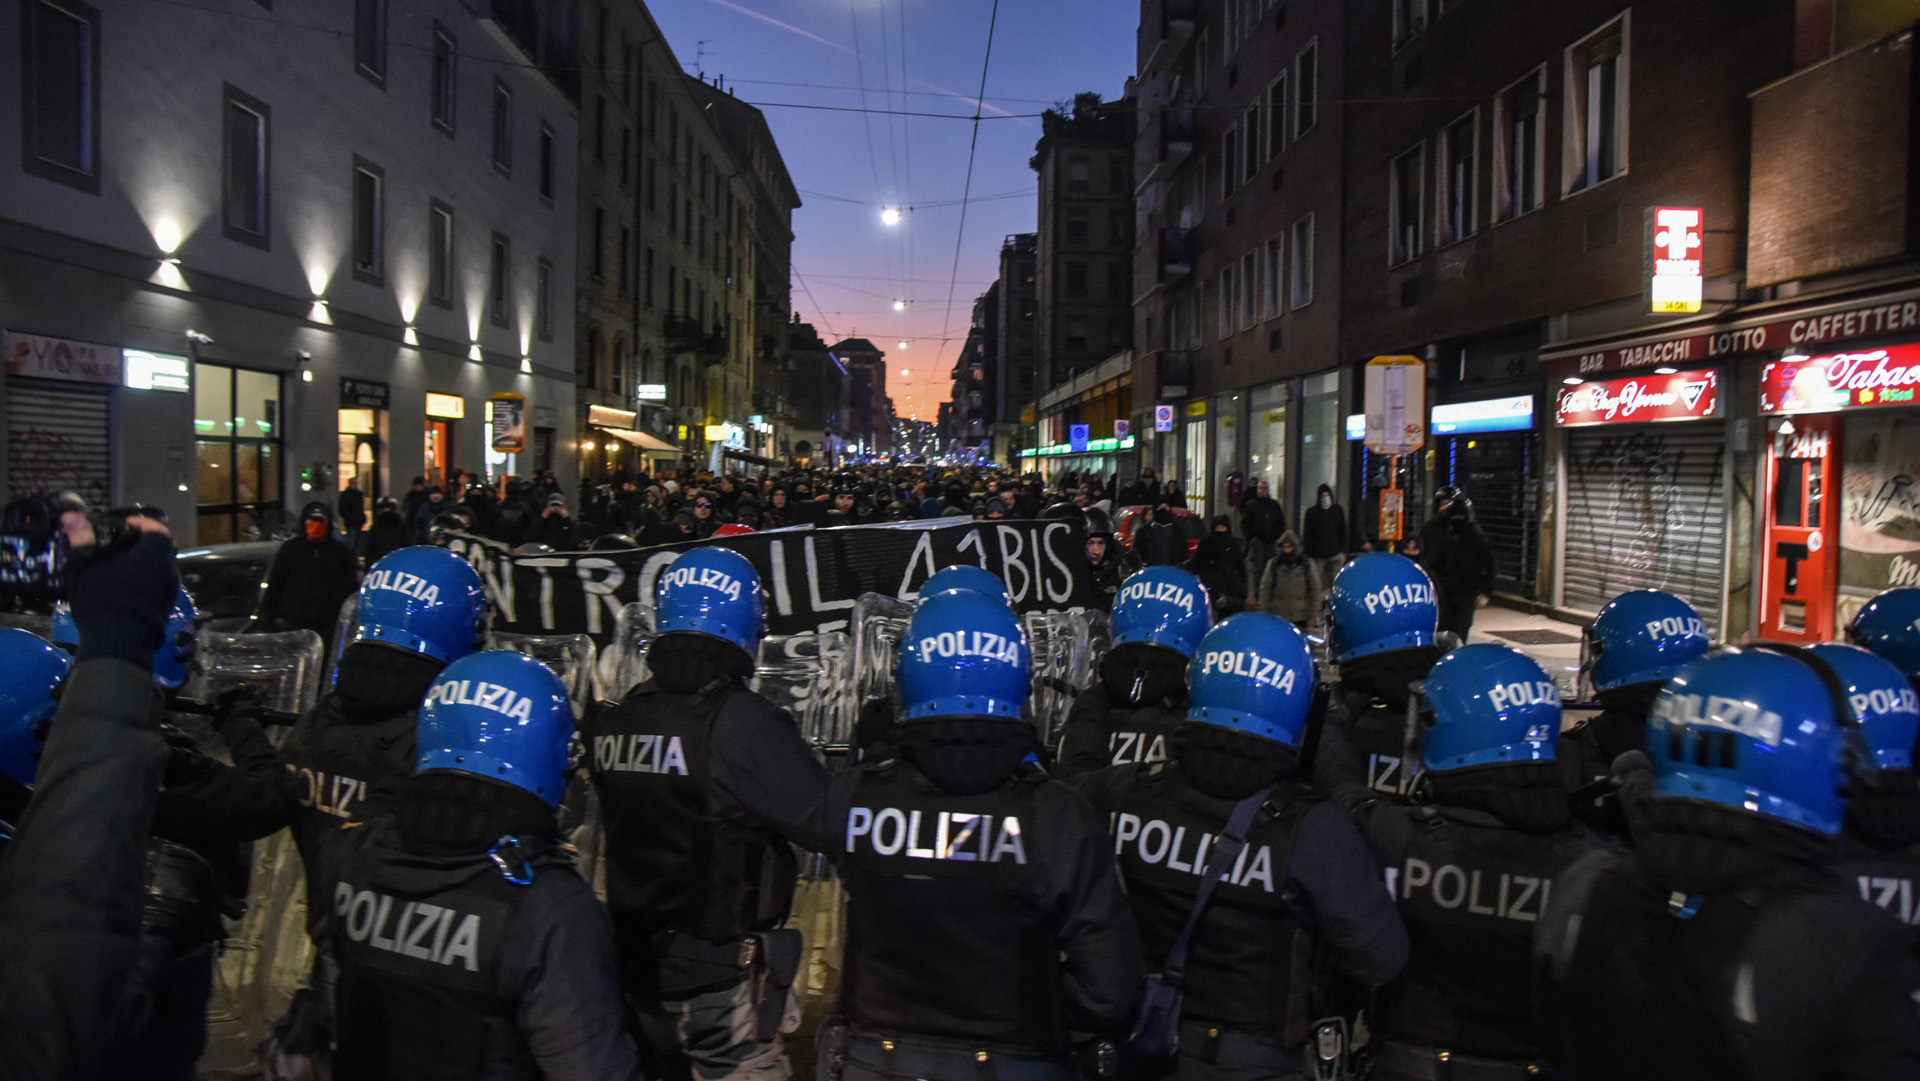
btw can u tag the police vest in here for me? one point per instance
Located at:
(1471, 892)
(419, 988)
(341, 771)
(1886, 877)
(1379, 736)
(946, 939)
(675, 860)
(1248, 966)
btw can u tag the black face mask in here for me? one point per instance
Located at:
(965, 756)
(1162, 516)
(1529, 796)
(1137, 673)
(1230, 765)
(1887, 811)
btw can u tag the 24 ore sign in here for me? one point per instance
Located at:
(1684, 396)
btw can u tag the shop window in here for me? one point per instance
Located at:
(61, 106)
(237, 453)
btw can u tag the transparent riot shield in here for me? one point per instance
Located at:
(1066, 648)
(343, 629)
(569, 655)
(877, 625)
(622, 664)
(808, 676)
(284, 667)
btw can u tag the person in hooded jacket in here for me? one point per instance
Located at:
(1220, 565)
(1108, 564)
(312, 575)
(1129, 714)
(1459, 557)
(1159, 543)
(1323, 538)
(468, 947)
(1301, 885)
(1493, 827)
(1880, 839)
(1289, 584)
(1262, 521)
(1724, 945)
(388, 533)
(702, 784)
(985, 918)
(1381, 625)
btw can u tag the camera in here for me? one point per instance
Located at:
(35, 554)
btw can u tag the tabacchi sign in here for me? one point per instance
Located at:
(1870, 377)
(1673, 259)
(1686, 396)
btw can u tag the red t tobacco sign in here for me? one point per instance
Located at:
(1871, 377)
(1686, 396)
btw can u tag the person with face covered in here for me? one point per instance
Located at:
(1220, 564)
(1880, 839)
(312, 575)
(1323, 539)
(1159, 543)
(1289, 584)
(1381, 626)
(1129, 713)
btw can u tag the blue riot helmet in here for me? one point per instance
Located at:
(499, 715)
(964, 654)
(963, 576)
(713, 592)
(1643, 636)
(424, 600)
(30, 672)
(1491, 704)
(1380, 602)
(1755, 731)
(1883, 701)
(172, 662)
(1254, 674)
(1889, 625)
(1162, 606)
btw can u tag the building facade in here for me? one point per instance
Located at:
(1016, 357)
(1085, 238)
(234, 279)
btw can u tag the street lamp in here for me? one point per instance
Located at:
(890, 215)
(899, 305)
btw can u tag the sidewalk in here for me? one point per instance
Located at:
(1554, 644)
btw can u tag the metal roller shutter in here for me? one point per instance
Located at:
(57, 440)
(1646, 509)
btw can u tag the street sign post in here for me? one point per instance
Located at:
(1393, 512)
(1077, 438)
(1396, 400)
(1163, 418)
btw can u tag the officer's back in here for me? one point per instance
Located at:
(985, 917)
(1382, 619)
(1880, 843)
(1129, 714)
(1725, 946)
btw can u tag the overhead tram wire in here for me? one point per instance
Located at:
(966, 190)
(860, 73)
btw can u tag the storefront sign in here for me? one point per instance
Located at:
(1491, 415)
(1673, 246)
(1871, 377)
(1197, 409)
(1077, 436)
(1800, 331)
(57, 358)
(508, 433)
(604, 416)
(158, 371)
(1396, 404)
(1686, 396)
(650, 392)
(1163, 418)
(446, 406)
(1356, 427)
(363, 394)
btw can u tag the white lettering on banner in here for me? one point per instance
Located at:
(640, 754)
(960, 836)
(995, 647)
(1718, 711)
(1012, 544)
(1893, 894)
(472, 692)
(331, 794)
(600, 579)
(1505, 696)
(1676, 627)
(1882, 701)
(422, 931)
(1155, 842)
(1390, 597)
(1250, 664)
(1137, 747)
(1514, 897)
(1165, 592)
(1855, 324)
(703, 578)
(411, 585)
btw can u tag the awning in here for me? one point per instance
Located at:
(729, 452)
(643, 441)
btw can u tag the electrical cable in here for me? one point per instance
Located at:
(966, 190)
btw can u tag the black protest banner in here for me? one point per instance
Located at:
(812, 576)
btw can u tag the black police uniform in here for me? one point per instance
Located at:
(1305, 890)
(1372, 694)
(1730, 951)
(452, 971)
(1588, 751)
(699, 792)
(981, 928)
(1885, 874)
(1103, 730)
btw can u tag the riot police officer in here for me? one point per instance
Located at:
(1302, 883)
(701, 782)
(1638, 640)
(985, 917)
(876, 732)
(1724, 945)
(468, 947)
(1889, 625)
(1880, 842)
(1382, 619)
(1471, 867)
(1128, 715)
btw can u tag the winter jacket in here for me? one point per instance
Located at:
(307, 584)
(1262, 518)
(1289, 586)
(388, 533)
(1325, 529)
(1222, 567)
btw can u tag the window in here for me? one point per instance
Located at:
(1116, 227)
(626, 155)
(1079, 174)
(599, 265)
(1229, 296)
(62, 107)
(498, 268)
(439, 254)
(1409, 21)
(1229, 163)
(1306, 89)
(370, 40)
(1518, 149)
(1250, 129)
(369, 221)
(1276, 136)
(1404, 205)
(1076, 277)
(600, 127)
(1302, 274)
(1117, 183)
(648, 296)
(1249, 290)
(503, 128)
(247, 175)
(1597, 107)
(652, 184)
(1077, 226)
(626, 260)
(1459, 145)
(1276, 253)
(1117, 281)
(444, 78)
(1233, 24)
(1076, 339)
(237, 459)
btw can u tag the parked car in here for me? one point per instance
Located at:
(1129, 521)
(228, 582)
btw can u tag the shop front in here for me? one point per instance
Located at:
(362, 435)
(1645, 471)
(1490, 449)
(613, 442)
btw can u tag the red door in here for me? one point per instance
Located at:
(1802, 534)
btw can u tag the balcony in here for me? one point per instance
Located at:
(1174, 372)
(1175, 143)
(1170, 37)
(1176, 255)
(688, 336)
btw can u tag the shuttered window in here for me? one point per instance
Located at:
(1646, 509)
(57, 440)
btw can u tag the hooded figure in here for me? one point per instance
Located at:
(1290, 583)
(312, 575)
(1159, 543)
(1220, 565)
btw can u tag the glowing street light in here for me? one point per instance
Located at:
(890, 215)
(899, 305)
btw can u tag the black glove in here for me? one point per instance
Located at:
(121, 598)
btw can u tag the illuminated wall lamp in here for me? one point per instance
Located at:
(473, 354)
(526, 365)
(409, 336)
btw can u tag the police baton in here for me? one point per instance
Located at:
(199, 708)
